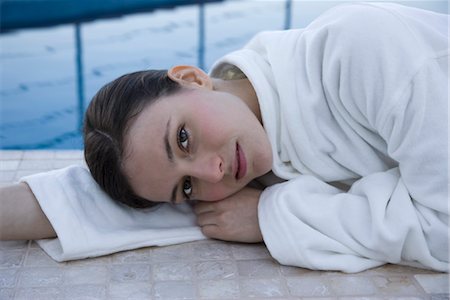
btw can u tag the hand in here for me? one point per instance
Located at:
(234, 218)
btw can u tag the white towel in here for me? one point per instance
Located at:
(89, 223)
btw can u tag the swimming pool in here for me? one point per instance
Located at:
(48, 75)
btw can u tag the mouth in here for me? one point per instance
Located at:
(241, 162)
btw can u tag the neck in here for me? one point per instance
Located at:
(241, 88)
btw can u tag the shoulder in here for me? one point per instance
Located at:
(361, 27)
(361, 13)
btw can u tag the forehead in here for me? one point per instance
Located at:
(145, 162)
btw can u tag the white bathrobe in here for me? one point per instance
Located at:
(357, 100)
(359, 97)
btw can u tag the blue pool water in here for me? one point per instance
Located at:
(48, 75)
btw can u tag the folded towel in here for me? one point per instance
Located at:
(89, 223)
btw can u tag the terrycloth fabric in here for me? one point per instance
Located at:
(89, 223)
(359, 97)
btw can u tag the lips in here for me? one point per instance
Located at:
(241, 163)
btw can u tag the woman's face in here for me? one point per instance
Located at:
(198, 144)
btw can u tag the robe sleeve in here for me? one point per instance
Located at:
(399, 215)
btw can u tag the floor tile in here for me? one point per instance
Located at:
(172, 271)
(130, 290)
(8, 278)
(434, 283)
(38, 154)
(130, 273)
(38, 293)
(212, 251)
(84, 291)
(352, 285)
(396, 285)
(219, 289)
(174, 290)
(250, 251)
(11, 258)
(9, 165)
(258, 268)
(216, 270)
(309, 286)
(6, 294)
(263, 288)
(11, 154)
(12, 245)
(86, 275)
(41, 277)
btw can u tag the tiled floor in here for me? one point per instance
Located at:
(199, 270)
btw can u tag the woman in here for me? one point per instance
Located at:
(350, 113)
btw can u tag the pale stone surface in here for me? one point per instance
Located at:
(37, 257)
(262, 288)
(174, 290)
(9, 165)
(130, 273)
(41, 277)
(205, 269)
(84, 292)
(6, 294)
(216, 270)
(135, 290)
(38, 154)
(11, 258)
(315, 286)
(8, 277)
(398, 285)
(353, 285)
(59, 164)
(11, 154)
(38, 164)
(172, 253)
(86, 275)
(69, 154)
(258, 268)
(13, 244)
(219, 289)
(7, 176)
(23, 173)
(249, 251)
(172, 271)
(434, 283)
(38, 293)
(212, 251)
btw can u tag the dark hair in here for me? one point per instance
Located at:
(107, 121)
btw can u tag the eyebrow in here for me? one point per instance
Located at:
(169, 153)
(167, 143)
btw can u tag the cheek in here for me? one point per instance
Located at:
(216, 192)
(210, 120)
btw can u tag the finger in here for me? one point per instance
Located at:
(203, 207)
(212, 231)
(208, 218)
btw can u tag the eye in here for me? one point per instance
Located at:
(187, 187)
(183, 138)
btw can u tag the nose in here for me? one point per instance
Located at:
(208, 168)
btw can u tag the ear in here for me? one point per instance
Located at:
(190, 76)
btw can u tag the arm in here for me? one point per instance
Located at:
(21, 217)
